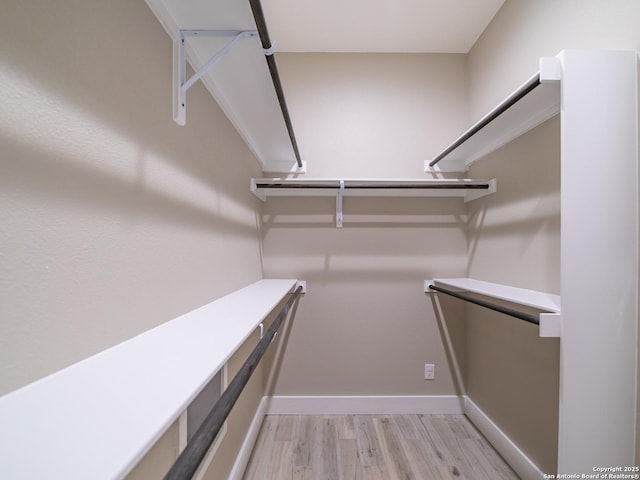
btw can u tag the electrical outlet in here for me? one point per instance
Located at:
(429, 371)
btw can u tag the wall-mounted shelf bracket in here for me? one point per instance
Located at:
(339, 205)
(180, 82)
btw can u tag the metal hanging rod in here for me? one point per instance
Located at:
(377, 186)
(492, 306)
(189, 460)
(261, 24)
(485, 186)
(495, 113)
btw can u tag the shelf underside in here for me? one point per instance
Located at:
(495, 129)
(240, 82)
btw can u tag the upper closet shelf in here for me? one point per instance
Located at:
(319, 187)
(226, 42)
(535, 101)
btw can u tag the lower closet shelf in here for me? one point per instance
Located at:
(97, 418)
(549, 304)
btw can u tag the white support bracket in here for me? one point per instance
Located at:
(301, 283)
(262, 332)
(271, 50)
(339, 205)
(180, 83)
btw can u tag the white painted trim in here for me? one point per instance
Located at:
(249, 441)
(351, 405)
(515, 457)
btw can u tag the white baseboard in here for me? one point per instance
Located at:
(352, 405)
(249, 441)
(515, 457)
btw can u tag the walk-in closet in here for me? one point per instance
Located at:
(273, 239)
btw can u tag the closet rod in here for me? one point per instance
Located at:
(492, 306)
(261, 24)
(495, 113)
(189, 460)
(483, 186)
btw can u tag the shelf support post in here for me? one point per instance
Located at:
(180, 83)
(339, 205)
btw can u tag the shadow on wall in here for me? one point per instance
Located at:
(119, 190)
(510, 372)
(84, 99)
(513, 375)
(519, 225)
(365, 212)
(450, 317)
(383, 239)
(275, 354)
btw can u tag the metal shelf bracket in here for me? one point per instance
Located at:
(180, 83)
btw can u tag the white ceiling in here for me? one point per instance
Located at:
(439, 26)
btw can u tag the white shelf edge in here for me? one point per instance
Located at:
(539, 105)
(97, 418)
(531, 298)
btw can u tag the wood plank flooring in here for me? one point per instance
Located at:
(373, 447)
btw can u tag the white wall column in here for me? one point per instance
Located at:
(599, 260)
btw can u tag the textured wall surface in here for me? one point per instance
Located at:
(366, 327)
(113, 219)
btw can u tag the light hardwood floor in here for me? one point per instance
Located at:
(376, 447)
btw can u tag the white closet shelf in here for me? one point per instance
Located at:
(97, 418)
(240, 79)
(537, 100)
(329, 187)
(548, 303)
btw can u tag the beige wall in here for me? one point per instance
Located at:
(512, 229)
(514, 239)
(113, 219)
(508, 51)
(366, 327)
(373, 115)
